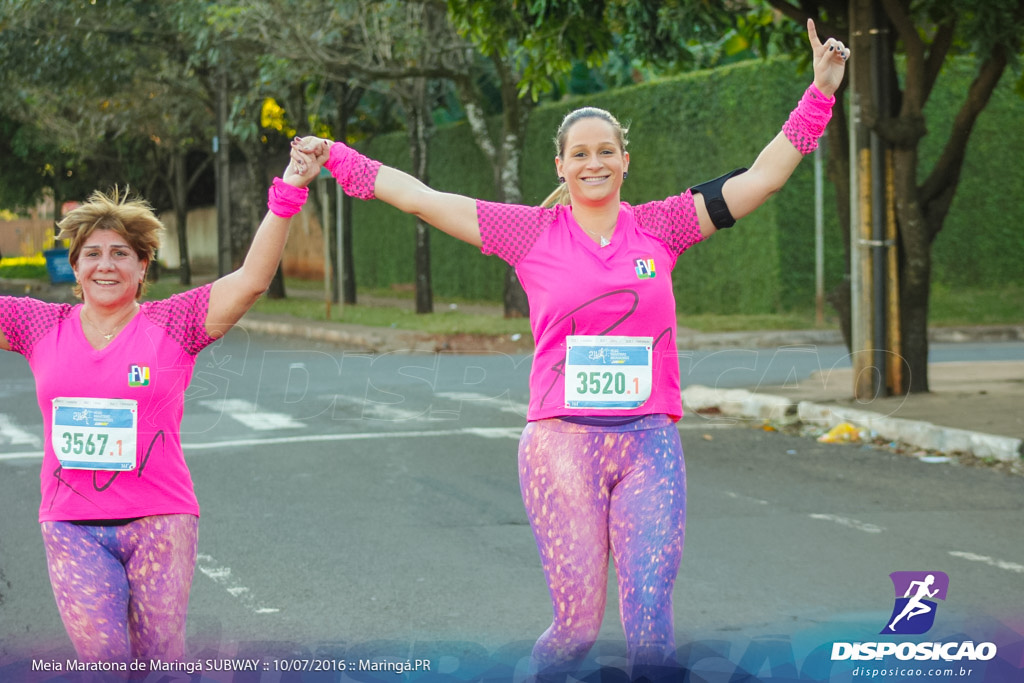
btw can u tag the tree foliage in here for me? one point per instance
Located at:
(913, 41)
(124, 91)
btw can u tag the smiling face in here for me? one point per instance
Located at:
(592, 161)
(108, 270)
(112, 239)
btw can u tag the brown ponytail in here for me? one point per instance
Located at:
(560, 195)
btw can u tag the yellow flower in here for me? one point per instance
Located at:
(35, 260)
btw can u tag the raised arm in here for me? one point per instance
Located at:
(746, 191)
(365, 178)
(234, 294)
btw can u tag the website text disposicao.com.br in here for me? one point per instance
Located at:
(952, 659)
(909, 672)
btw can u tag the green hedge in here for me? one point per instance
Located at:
(982, 241)
(693, 128)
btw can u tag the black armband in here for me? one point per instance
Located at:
(715, 202)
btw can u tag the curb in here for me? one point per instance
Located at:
(367, 339)
(744, 404)
(763, 339)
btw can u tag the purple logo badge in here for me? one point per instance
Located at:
(916, 592)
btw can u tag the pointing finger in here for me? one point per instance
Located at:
(812, 36)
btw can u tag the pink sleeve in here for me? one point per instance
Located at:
(183, 317)
(510, 230)
(25, 321)
(356, 173)
(673, 221)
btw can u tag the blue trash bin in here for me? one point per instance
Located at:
(58, 266)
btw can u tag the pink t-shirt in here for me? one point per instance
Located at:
(576, 287)
(150, 361)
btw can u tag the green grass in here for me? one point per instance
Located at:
(710, 322)
(977, 307)
(446, 322)
(24, 271)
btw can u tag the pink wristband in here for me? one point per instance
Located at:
(807, 122)
(354, 172)
(285, 200)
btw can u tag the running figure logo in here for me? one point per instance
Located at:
(914, 612)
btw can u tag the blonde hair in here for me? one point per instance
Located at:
(560, 195)
(130, 217)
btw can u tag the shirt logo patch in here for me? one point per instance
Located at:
(644, 268)
(138, 376)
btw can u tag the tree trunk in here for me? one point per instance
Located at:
(516, 303)
(179, 196)
(922, 206)
(348, 99)
(348, 259)
(505, 159)
(276, 290)
(516, 115)
(915, 271)
(419, 148)
(223, 175)
(253, 209)
(837, 141)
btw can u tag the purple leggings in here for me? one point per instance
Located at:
(589, 490)
(122, 591)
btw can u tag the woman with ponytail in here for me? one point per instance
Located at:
(601, 467)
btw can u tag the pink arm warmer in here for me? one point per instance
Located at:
(285, 200)
(807, 122)
(354, 172)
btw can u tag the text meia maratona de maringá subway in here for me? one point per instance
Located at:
(73, 665)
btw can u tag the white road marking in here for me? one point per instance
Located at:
(738, 496)
(383, 412)
(463, 396)
(11, 433)
(37, 455)
(251, 416)
(496, 432)
(692, 426)
(990, 561)
(222, 576)
(247, 413)
(488, 432)
(485, 432)
(852, 523)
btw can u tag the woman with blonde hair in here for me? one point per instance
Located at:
(119, 515)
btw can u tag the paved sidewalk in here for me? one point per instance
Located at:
(972, 408)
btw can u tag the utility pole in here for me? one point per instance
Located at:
(872, 229)
(860, 199)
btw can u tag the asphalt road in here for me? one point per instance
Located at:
(358, 506)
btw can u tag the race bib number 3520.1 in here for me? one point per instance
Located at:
(607, 372)
(95, 433)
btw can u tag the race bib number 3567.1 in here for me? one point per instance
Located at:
(95, 433)
(608, 372)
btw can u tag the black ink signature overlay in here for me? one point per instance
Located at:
(630, 300)
(98, 485)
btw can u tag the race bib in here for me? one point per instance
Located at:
(95, 433)
(607, 372)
